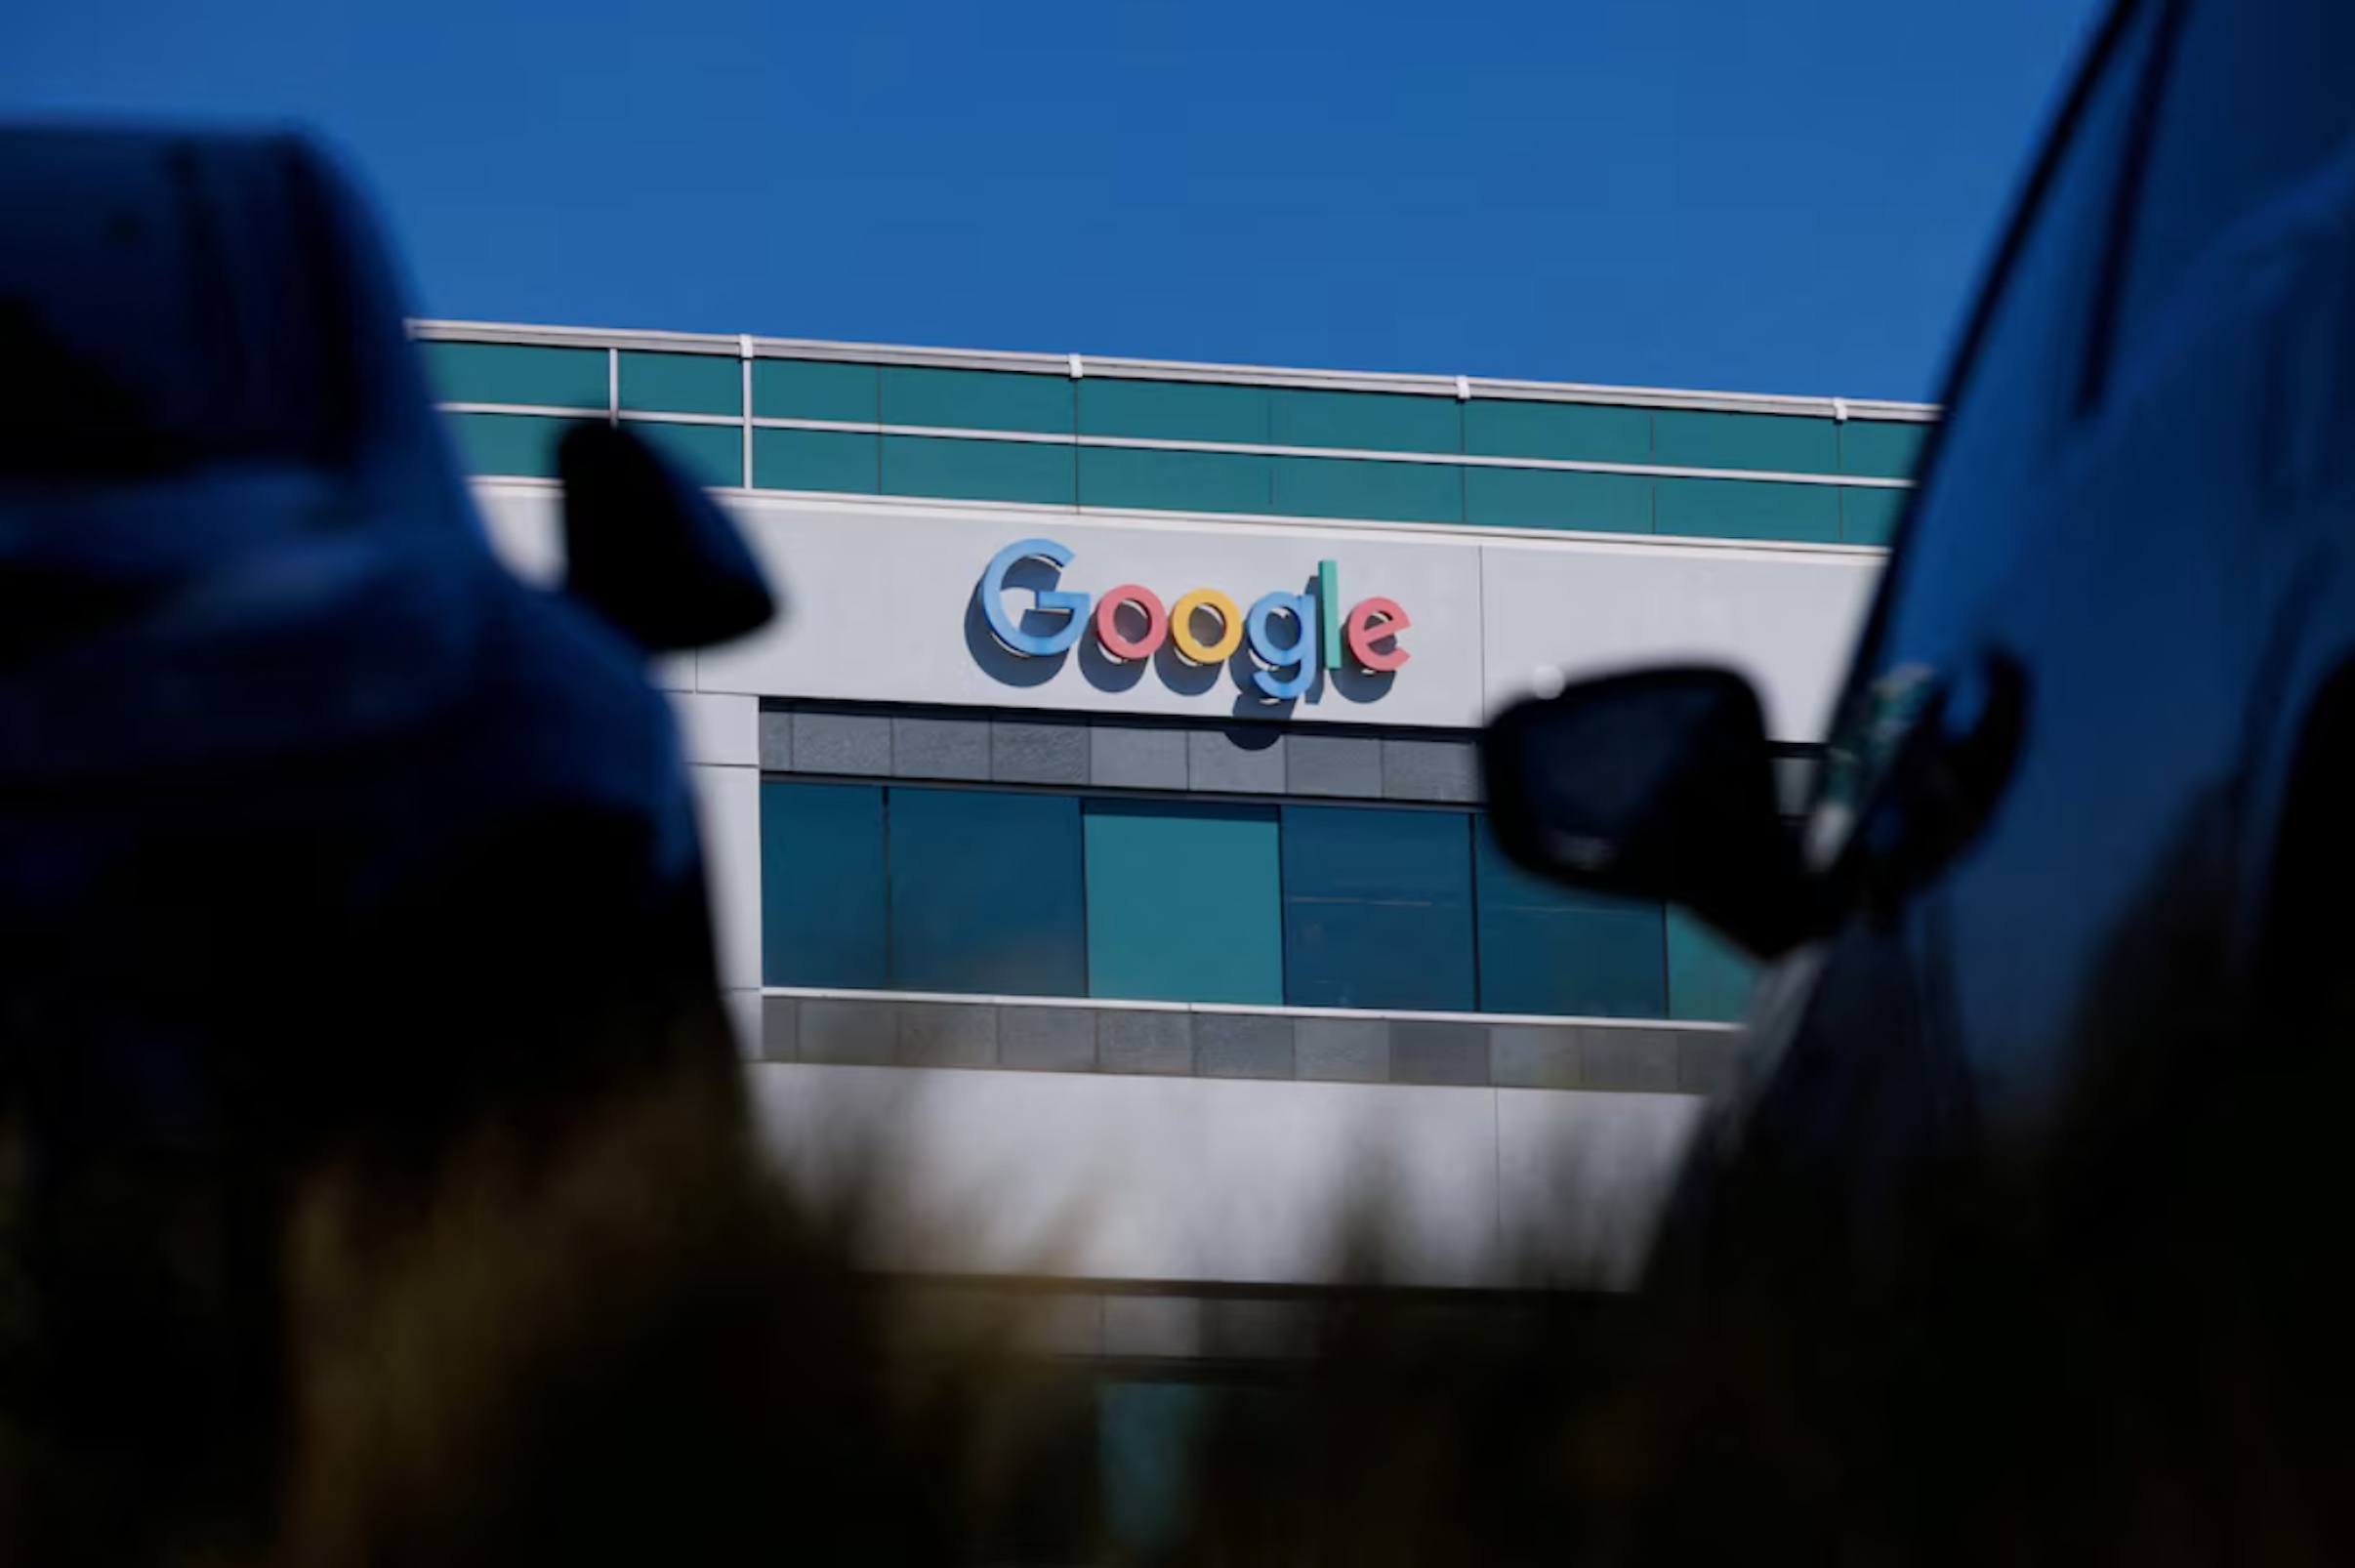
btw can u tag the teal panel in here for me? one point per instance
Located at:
(816, 459)
(1370, 421)
(1546, 948)
(1178, 481)
(1870, 516)
(518, 444)
(506, 373)
(1360, 487)
(814, 388)
(1746, 509)
(976, 399)
(977, 471)
(683, 382)
(1185, 902)
(1707, 979)
(1589, 432)
(1880, 450)
(711, 454)
(1783, 443)
(1174, 410)
(1148, 1435)
(823, 882)
(1555, 497)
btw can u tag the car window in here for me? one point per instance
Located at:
(2257, 94)
(2013, 402)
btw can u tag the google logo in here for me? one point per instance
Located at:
(1131, 623)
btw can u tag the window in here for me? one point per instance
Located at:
(976, 399)
(2256, 96)
(1707, 978)
(986, 894)
(514, 372)
(680, 382)
(1183, 902)
(2019, 388)
(822, 886)
(1377, 908)
(1773, 443)
(1546, 948)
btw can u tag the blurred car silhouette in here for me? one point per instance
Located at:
(2081, 845)
(323, 838)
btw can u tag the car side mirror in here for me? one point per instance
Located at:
(648, 549)
(1656, 784)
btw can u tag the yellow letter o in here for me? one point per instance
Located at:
(1181, 625)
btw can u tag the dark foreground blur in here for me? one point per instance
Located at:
(627, 1344)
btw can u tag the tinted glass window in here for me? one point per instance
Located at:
(1183, 902)
(2257, 94)
(2013, 405)
(986, 894)
(1377, 908)
(1545, 948)
(822, 886)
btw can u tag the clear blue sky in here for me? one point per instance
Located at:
(1702, 193)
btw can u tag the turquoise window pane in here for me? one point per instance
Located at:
(1182, 481)
(816, 459)
(1708, 978)
(986, 894)
(822, 886)
(1377, 908)
(814, 388)
(1545, 948)
(681, 383)
(518, 444)
(1882, 450)
(711, 454)
(1359, 488)
(1148, 1434)
(1870, 516)
(1185, 902)
(505, 373)
(976, 399)
(1555, 498)
(1589, 432)
(1172, 410)
(979, 471)
(1783, 443)
(1746, 509)
(1369, 422)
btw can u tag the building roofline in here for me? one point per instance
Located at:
(1064, 364)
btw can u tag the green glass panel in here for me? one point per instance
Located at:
(1870, 516)
(1377, 908)
(522, 446)
(1590, 432)
(1185, 902)
(976, 399)
(681, 383)
(1880, 450)
(508, 373)
(711, 454)
(815, 460)
(823, 883)
(1174, 410)
(1180, 481)
(1555, 498)
(1545, 948)
(1708, 978)
(1360, 487)
(1369, 422)
(814, 388)
(1746, 509)
(987, 892)
(977, 471)
(1781, 443)
(1149, 1436)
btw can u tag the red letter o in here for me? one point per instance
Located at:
(1107, 622)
